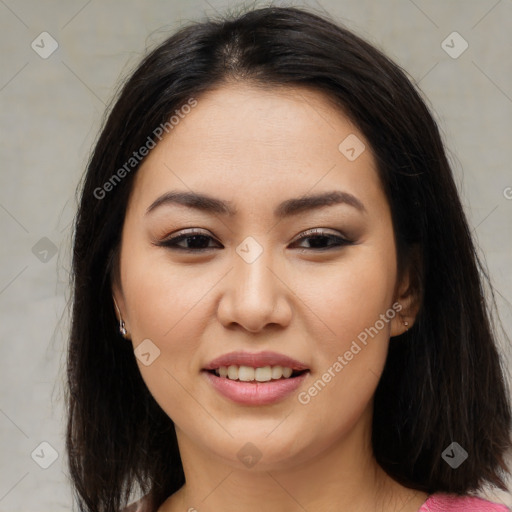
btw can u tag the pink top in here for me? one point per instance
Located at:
(438, 502)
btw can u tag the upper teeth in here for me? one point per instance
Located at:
(247, 373)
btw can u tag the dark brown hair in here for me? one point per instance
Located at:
(442, 381)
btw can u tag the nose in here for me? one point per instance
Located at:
(255, 296)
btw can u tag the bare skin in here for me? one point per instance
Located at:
(256, 149)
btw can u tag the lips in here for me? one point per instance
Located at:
(255, 392)
(255, 360)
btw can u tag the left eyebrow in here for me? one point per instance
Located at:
(287, 208)
(298, 205)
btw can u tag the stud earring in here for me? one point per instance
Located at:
(406, 324)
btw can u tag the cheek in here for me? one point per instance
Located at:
(351, 294)
(162, 296)
(354, 300)
(169, 304)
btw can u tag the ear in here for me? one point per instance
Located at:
(117, 292)
(119, 305)
(408, 293)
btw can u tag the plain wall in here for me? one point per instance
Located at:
(50, 114)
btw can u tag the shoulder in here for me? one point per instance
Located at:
(441, 502)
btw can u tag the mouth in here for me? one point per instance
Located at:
(255, 379)
(256, 367)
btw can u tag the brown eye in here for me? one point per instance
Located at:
(190, 241)
(322, 240)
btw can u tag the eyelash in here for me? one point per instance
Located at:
(171, 243)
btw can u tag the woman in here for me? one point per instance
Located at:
(221, 357)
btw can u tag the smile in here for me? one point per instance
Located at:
(261, 374)
(255, 379)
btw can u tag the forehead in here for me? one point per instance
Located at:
(242, 142)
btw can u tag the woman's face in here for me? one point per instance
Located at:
(274, 165)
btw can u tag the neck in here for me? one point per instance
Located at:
(343, 477)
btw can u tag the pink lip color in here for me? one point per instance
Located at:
(255, 360)
(255, 393)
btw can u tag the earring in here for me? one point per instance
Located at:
(406, 324)
(122, 328)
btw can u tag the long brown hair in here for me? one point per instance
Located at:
(442, 382)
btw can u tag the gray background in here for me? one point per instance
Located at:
(50, 114)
